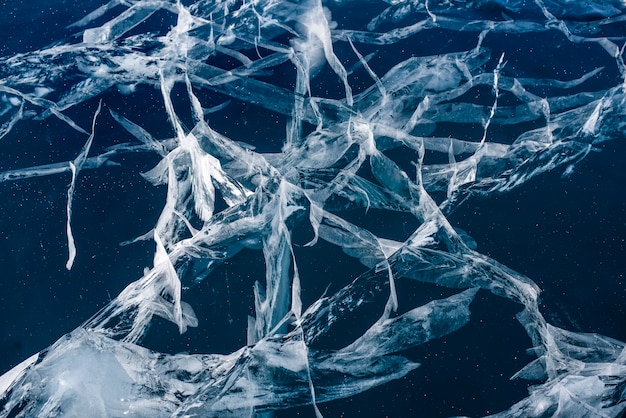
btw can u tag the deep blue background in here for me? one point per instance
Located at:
(567, 234)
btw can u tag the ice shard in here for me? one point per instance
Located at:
(310, 160)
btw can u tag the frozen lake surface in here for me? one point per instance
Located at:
(313, 208)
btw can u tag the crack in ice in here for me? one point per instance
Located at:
(365, 128)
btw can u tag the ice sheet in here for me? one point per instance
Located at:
(358, 133)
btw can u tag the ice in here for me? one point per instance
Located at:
(87, 371)
(75, 167)
(364, 128)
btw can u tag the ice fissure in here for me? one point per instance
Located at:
(364, 128)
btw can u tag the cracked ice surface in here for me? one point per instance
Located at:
(362, 130)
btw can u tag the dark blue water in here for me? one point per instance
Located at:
(566, 233)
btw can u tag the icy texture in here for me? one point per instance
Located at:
(224, 195)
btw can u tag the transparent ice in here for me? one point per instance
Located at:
(376, 137)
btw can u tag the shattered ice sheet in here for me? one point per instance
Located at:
(361, 128)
